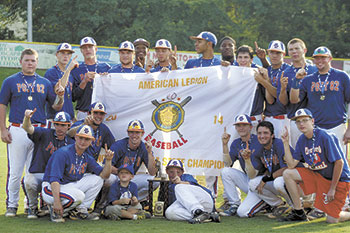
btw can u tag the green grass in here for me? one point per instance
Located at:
(229, 224)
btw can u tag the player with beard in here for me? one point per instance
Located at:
(141, 50)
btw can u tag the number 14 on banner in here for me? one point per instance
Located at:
(218, 119)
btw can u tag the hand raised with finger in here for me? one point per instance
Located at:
(225, 137)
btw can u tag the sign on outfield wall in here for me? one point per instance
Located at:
(347, 67)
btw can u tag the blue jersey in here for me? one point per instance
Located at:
(276, 108)
(329, 111)
(117, 192)
(119, 69)
(238, 146)
(45, 143)
(124, 155)
(269, 161)
(291, 73)
(320, 153)
(83, 96)
(66, 166)
(159, 68)
(200, 62)
(184, 177)
(27, 92)
(102, 136)
(53, 75)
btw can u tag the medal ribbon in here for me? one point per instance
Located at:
(268, 163)
(322, 86)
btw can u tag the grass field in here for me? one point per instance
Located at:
(229, 224)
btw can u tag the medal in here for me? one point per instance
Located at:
(30, 98)
(323, 97)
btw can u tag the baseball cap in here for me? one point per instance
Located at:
(87, 40)
(126, 45)
(175, 163)
(277, 46)
(162, 43)
(98, 107)
(62, 118)
(242, 119)
(322, 52)
(208, 36)
(136, 125)
(127, 167)
(141, 41)
(64, 47)
(85, 131)
(302, 112)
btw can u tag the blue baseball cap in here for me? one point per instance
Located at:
(85, 131)
(277, 46)
(163, 44)
(87, 40)
(126, 45)
(62, 118)
(301, 113)
(136, 125)
(127, 167)
(208, 36)
(98, 107)
(242, 119)
(322, 52)
(64, 47)
(175, 163)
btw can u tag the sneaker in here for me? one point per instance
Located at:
(113, 217)
(143, 215)
(278, 211)
(294, 216)
(215, 217)
(224, 206)
(230, 212)
(54, 216)
(76, 215)
(11, 212)
(43, 211)
(203, 217)
(315, 214)
(32, 213)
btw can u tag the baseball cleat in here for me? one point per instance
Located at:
(54, 216)
(224, 206)
(11, 212)
(315, 214)
(200, 217)
(294, 216)
(230, 212)
(32, 213)
(278, 211)
(215, 217)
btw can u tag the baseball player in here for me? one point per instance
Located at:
(131, 150)
(66, 184)
(126, 57)
(141, 51)
(274, 111)
(46, 141)
(123, 198)
(327, 92)
(327, 171)
(205, 43)
(269, 163)
(84, 76)
(54, 74)
(296, 50)
(166, 57)
(228, 49)
(232, 178)
(188, 200)
(23, 90)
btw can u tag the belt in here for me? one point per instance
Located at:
(35, 125)
(82, 111)
(253, 118)
(280, 117)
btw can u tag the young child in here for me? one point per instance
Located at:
(123, 199)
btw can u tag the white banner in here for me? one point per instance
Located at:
(184, 111)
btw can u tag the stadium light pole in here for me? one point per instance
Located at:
(29, 22)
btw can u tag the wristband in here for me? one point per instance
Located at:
(296, 83)
(267, 178)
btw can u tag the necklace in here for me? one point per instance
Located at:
(201, 61)
(322, 85)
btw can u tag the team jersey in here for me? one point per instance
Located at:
(27, 92)
(102, 136)
(124, 155)
(276, 108)
(329, 108)
(184, 177)
(269, 161)
(119, 69)
(238, 146)
(45, 143)
(66, 166)
(200, 62)
(159, 68)
(320, 152)
(291, 73)
(53, 75)
(83, 96)
(117, 192)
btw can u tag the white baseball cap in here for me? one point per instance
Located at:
(87, 40)
(64, 47)
(126, 45)
(85, 131)
(163, 44)
(277, 46)
(242, 119)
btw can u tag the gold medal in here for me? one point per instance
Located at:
(323, 97)
(30, 98)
